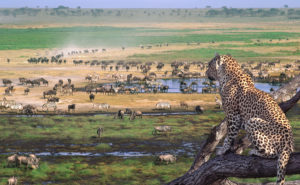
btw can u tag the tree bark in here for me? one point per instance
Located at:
(283, 93)
(218, 133)
(233, 165)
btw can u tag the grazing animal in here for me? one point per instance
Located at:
(6, 82)
(19, 107)
(12, 181)
(26, 91)
(49, 105)
(218, 102)
(12, 160)
(34, 158)
(159, 129)
(101, 106)
(198, 109)
(100, 131)
(119, 114)
(9, 90)
(92, 97)
(53, 99)
(8, 103)
(246, 107)
(49, 93)
(29, 109)
(28, 161)
(168, 158)
(184, 105)
(135, 114)
(163, 105)
(22, 80)
(71, 107)
(128, 111)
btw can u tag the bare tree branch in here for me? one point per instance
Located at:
(233, 165)
(287, 105)
(284, 93)
(208, 146)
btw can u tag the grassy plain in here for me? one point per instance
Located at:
(78, 134)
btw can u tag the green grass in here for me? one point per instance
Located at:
(72, 128)
(105, 170)
(103, 36)
(196, 54)
(111, 170)
(262, 44)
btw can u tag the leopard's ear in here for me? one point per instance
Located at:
(218, 59)
(217, 55)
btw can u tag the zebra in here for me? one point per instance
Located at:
(18, 107)
(163, 105)
(101, 106)
(49, 105)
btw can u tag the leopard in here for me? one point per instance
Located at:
(255, 111)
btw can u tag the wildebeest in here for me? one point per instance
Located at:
(92, 97)
(159, 129)
(168, 158)
(101, 106)
(9, 90)
(12, 181)
(22, 80)
(199, 109)
(163, 105)
(71, 107)
(100, 131)
(49, 105)
(49, 93)
(36, 82)
(12, 160)
(53, 99)
(44, 81)
(128, 111)
(6, 82)
(184, 105)
(29, 109)
(134, 114)
(119, 114)
(26, 91)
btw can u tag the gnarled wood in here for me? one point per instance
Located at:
(233, 165)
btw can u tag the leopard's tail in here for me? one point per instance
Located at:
(282, 162)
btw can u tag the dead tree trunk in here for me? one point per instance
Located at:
(202, 166)
(233, 165)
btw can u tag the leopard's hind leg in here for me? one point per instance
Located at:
(268, 145)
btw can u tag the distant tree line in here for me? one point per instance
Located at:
(64, 11)
(250, 12)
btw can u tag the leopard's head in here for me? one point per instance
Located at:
(213, 68)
